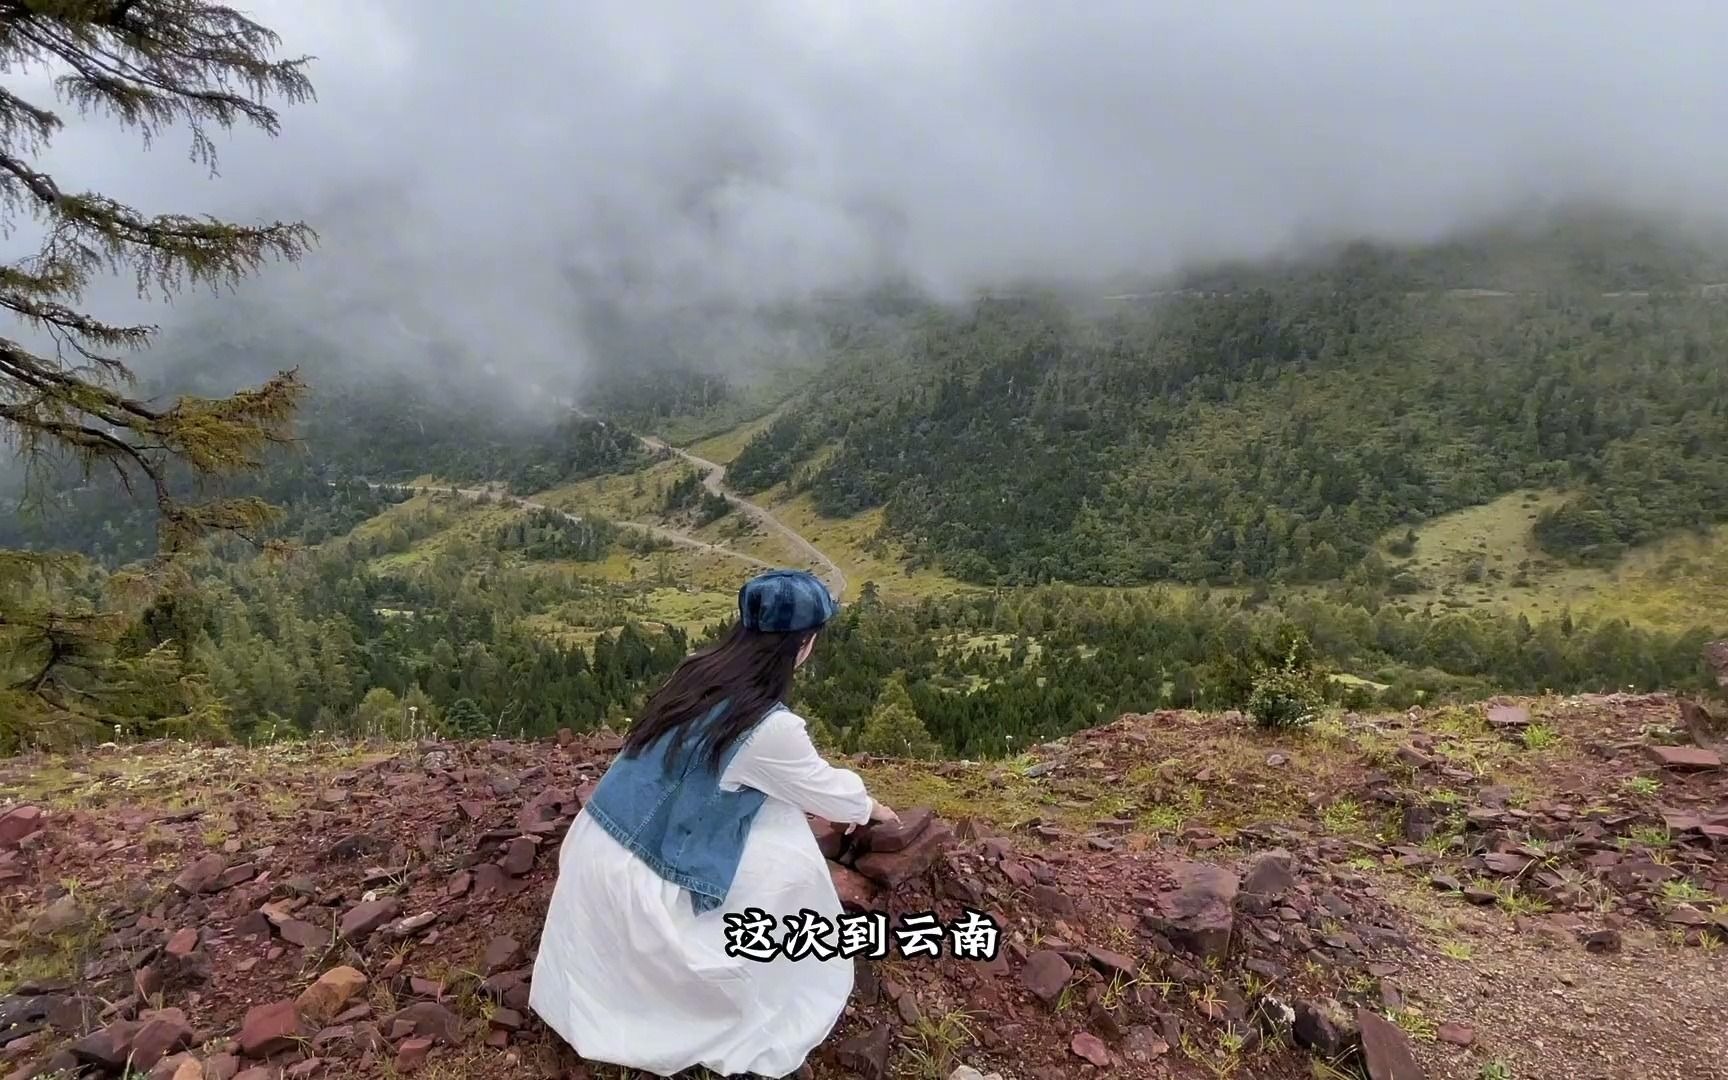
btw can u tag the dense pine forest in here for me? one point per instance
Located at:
(1263, 436)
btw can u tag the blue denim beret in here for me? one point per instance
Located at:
(785, 602)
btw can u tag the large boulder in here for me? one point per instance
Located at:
(1197, 915)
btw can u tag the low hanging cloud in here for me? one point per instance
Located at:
(480, 170)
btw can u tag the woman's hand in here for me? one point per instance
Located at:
(879, 814)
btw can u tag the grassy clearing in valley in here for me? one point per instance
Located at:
(725, 447)
(853, 543)
(1485, 556)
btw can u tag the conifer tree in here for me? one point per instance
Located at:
(894, 729)
(147, 64)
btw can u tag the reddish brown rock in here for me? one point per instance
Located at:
(1506, 863)
(1112, 963)
(164, 1032)
(304, 934)
(183, 944)
(1456, 1034)
(1323, 1026)
(1510, 718)
(1386, 1053)
(889, 836)
(1685, 758)
(892, 868)
(1090, 1047)
(1197, 915)
(508, 988)
(502, 954)
(201, 875)
(1602, 941)
(430, 1020)
(188, 1069)
(361, 919)
(519, 858)
(330, 993)
(412, 1054)
(866, 1054)
(269, 1029)
(1053, 901)
(110, 1047)
(1046, 975)
(18, 823)
(830, 837)
(856, 891)
(235, 875)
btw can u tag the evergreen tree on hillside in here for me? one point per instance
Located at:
(466, 721)
(150, 64)
(893, 728)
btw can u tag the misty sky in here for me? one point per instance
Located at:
(460, 153)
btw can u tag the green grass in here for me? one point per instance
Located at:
(1486, 557)
(726, 446)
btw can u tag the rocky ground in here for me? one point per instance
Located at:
(1527, 889)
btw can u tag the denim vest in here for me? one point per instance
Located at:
(671, 812)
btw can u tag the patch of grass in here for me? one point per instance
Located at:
(1684, 891)
(1643, 786)
(1342, 817)
(1457, 950)
(1652, 836)
(1415, 1024)
(726, 446)
(934, 1045)
(58, 957)
(1495, 1070)
(1539, 737)
(1516, 903)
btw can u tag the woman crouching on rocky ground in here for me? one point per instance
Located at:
(696, 831)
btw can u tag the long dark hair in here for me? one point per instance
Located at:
(749, 669)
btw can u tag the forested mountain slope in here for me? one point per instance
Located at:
(1268, 434)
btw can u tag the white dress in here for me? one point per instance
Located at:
(629, 974)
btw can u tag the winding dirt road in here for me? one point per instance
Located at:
(671, 535)
(714, 479)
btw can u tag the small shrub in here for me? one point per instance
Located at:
(1288, 694)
